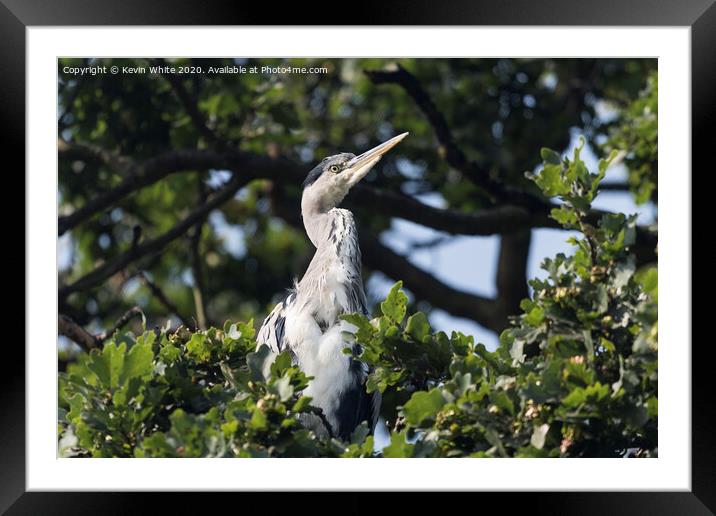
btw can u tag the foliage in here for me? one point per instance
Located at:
(575, 375)
(637, 131)
(183, 394)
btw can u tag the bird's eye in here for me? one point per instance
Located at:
(334, 168)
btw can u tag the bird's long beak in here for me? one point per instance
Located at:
(358, 167)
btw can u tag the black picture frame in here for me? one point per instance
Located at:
(17, 15)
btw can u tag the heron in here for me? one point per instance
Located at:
(307, 322)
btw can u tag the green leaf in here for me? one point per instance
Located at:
(648, 278)
(550, 181)
(138, 362)
(418, 327)
(502, 400)
(399, 446)
(423, 405)
(169, 353)
(592, 393)
(283, 388)
(550, 156)
(258, 420)
(198, 347)
(108, 363)
(281, 363)
(302, 404)
(394, 306)
(364, 330)
(535, 316)
(565, 215)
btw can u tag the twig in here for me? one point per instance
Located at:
(163, 299)
(454, 155)
(130, 314)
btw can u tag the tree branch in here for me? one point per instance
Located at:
(454, 155)
(115, 265)
(163, 299)
(196, 265)
(425, 286)
(94, 153)
(503, 219)
(512, 273)
(159, 167)
(500, 220)
(76, 333)
(130, 314)
(614, 187)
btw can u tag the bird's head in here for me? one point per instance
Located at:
(330, 181)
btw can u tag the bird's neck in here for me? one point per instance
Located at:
(334, 229)
(333, 279)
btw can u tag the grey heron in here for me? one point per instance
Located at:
(307, 322)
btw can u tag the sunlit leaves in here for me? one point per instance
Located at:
(636, 133)
(423, 405)
(395, 304)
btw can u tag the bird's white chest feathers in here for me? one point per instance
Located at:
(320, 355)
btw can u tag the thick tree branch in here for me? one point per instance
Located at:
(614, 187)
(159, 167)
(499, 220)
(512, 273)
(491, 221)
(76, 333)
(115, 265)
(94, 153)
(425, 286)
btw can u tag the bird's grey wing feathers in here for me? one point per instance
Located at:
(356, 406)
(370, 408)
(272, 332)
